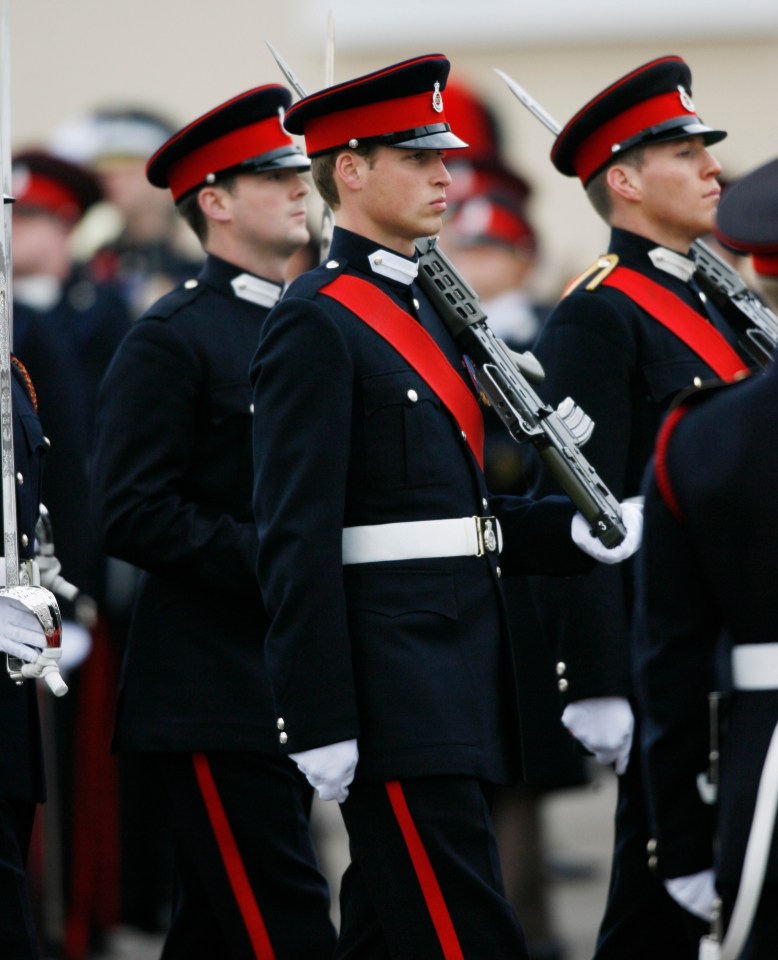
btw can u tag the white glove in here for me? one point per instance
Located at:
(695, 893)
(50, 568)
(329, 769)
(46, 667)
(21, 633)
(604, 726)
(631, 514)
(50, 575)
(22, 636)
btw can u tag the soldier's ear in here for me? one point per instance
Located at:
(623, 181)
(215, 203)
(349, 168)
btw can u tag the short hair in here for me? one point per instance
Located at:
(323, 171)
(597, 189)
(189, 209)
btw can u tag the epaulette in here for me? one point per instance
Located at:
(593, 276)
(173, 301)
(698, 391)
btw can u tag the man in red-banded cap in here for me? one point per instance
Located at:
(746, 223)
(631, 332)
(388, 648)
(172, 489)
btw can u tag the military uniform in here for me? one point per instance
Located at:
(707, 570)
(172, 483)
(614, 355)
(706, 613)
(22, 782)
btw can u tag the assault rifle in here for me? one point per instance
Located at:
(503, 378)
(753, 320)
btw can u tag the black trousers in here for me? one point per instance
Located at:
(641, 921)
(247, 884)
(18, 938)
(424, 881)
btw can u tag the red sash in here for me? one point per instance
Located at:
(680, 319)
(415, 345)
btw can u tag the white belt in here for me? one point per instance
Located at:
(422, 539)
(755, 666)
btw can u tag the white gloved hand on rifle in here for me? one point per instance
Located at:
(604, 725)
(631, 514)
(330, 769)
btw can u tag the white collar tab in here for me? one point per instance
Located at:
(672, 262)
(251, 288)
(393, 267)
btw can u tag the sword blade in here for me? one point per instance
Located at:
(532, 105)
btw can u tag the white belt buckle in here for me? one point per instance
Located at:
(485, 535)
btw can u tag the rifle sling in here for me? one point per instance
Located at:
(680, 319)
(415, 345)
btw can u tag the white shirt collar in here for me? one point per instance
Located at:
(251, 288)
(393, 267)
(672, 262)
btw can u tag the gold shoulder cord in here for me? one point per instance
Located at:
(595, 274)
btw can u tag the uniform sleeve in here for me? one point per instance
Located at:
(588, 354)
(146, 434)
(303, 377)
(674, 637)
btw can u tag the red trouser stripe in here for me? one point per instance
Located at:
(430, 887)
(233, 864)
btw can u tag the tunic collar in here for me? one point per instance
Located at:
(672, 262)
(363, 255)
(256, 290)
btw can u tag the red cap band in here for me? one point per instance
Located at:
(49, 195)
(228, 151)
(371, 120)
(597, 149)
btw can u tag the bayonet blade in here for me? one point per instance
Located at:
(532, 105)
(287, 71)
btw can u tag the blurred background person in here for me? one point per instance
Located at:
(137, 241)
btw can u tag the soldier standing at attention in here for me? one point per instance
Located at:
(379, 555)
(172, 484)
(629, 335)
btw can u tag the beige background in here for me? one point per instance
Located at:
(185, 56)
